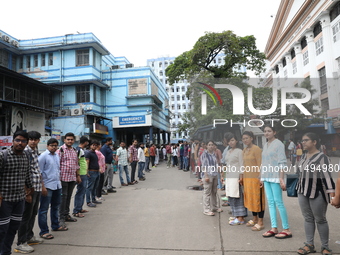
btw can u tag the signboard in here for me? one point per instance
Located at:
(26, 120)
(137, 86)
(131, 121)
(56, 133)
(100, 129)
(5, 142)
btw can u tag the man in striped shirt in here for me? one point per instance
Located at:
(69, 175)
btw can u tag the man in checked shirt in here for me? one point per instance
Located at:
(69, 175)
(15, 187)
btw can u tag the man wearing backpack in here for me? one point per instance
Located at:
(69, 175)
(25, 233)
(15, 187)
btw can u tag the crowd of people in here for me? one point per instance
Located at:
(33, 183)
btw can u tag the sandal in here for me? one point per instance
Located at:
(306, 249)
(61, 228)
(84, 211)
(47, 236)
(326, 249)
(284, 235)
(257, 227)
(70, 219)
(209, 213)
(79, 215)
(219, 210)
(226, 203)
(250, 223)
(236, 222)
(269, 233)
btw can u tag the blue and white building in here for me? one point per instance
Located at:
(99, 95)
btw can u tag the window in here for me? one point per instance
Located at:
(179, 107)
(324, 105)
(303, 42)
(292, 53)
(173, 107)
(160, 64)
(183, 89)
(160, 73)
(152, 64)
(323, 80)
(94, 94)
(172, 98)
(317, 29)
(167, 90)
(14, 63)
(284, 62)
(172, 89)
(166, 64)
(3, 58)
(319, 46)
(82, 57)
(276, 69)
(219, 60)
(28, 61)
(83, 94)
(177, 89)
(35, 58)
(336, 31)
(184, 107)
(305, 58)
(294, 68)
(178, 97)
(166, 81)
(43, 59)
(335, 11)
(183, 97)
(21, 62)
(50, 59)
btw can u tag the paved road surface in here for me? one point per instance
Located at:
(162, 216)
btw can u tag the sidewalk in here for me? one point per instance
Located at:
(162, 216)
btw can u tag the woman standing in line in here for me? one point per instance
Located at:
(233, 189)
(315, 190)
(272, 177)
(210, 171)
(253, 193)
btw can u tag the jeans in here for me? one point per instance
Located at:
(92, 182)
(66, 193)
(108, 176)
(100, 184)
(185, 163)
(53, 198)
(219, 183)
(274, 198)
(10, 217)
(141, 166)
(147, 161)
(181, 162)
(80, 194)
(125, 169)
(152, 161)
(169, 159)
(25, 231)
(133, 170)
(314, 212)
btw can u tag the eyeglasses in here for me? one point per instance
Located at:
(20, 141)
(53, 145)
(305, 140)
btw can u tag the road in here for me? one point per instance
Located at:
(162, 216)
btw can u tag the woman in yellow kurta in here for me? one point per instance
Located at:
(254, 199)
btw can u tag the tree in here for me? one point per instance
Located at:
(198, 64)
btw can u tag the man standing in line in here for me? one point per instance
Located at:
(81, 186)
(185, 156)
(25, 233)
(108, 174)
(141, 161)
(152, 155)
(93, 174)
(180, 153)
(15, 174)
(49, 164)
(168, 155)
(122, 156)
(133, 159)
(69, 175)
(147, 158)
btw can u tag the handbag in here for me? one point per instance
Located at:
(291, 183)
(299, 152)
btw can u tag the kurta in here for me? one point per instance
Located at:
(234, 161)
(253, 195)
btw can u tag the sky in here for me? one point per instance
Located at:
(139, 30)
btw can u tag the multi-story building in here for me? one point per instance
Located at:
(305, 42)
(178, 103)
(99, 94)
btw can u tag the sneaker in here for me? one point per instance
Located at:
(35, 240)
(104, 192)
(100, 199)
(111, 190)
(91, 205)
(96, 202)
(142, 179)
(24, 248)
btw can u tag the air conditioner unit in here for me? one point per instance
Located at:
(115, 67)
(77, 112)
(5, 38)
(14, 43)
(128, 65)
(64, 112)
